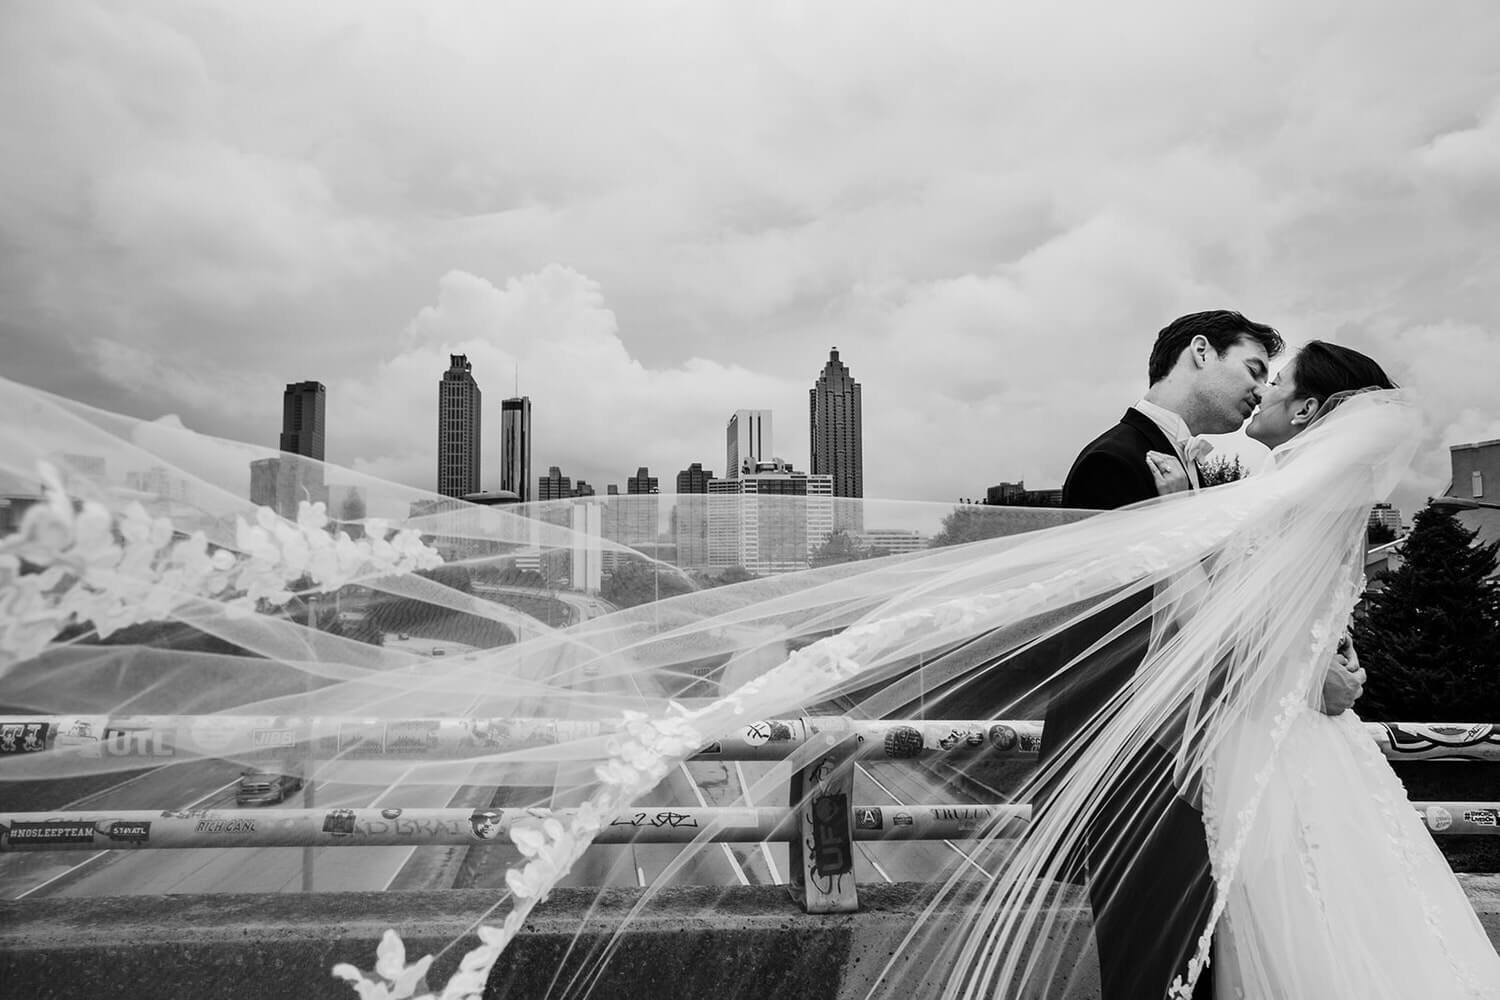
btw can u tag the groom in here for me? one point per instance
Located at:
(1149, 883)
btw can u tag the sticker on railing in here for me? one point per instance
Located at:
(833, 848)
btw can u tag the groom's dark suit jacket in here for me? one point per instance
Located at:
(1110, 473)
(1149, 881)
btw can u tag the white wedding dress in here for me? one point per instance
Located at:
(1335, 889)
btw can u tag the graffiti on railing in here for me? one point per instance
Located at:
(253, 738)
(1424, 741)
(670, 818)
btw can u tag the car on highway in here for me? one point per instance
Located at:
(271, 783)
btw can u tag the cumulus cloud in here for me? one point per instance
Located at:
(598, 413)
(662, 212)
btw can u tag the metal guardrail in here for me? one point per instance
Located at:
(820, 830)
(166, 829)
(198, 828)
(250, 738)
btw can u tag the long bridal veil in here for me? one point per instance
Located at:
(556, 667)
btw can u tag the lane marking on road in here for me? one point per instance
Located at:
(95, 857)
(765, 848)
(969, 858)
(734, 862)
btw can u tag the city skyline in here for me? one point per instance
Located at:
(749, 433)
(991, 218)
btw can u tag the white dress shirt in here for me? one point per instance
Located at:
(1183, 440)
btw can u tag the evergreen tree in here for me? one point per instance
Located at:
(1379, 534)
(1430, 640)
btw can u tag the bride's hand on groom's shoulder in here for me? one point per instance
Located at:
(1343, 681)
(1167, 472)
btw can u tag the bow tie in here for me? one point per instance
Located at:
(1197, 449)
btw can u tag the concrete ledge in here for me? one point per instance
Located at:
(724, 943)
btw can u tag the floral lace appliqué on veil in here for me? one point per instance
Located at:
(74, 561)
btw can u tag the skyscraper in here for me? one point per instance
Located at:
(837, 445)
(748, 436)
(554, 485)
(640, 509)
(302, 419)
(690, 516)
(642, 482)
(515, 446)
(284, 482)
(458, 429)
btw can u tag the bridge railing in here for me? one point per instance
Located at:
(819, 829)
(438, 738)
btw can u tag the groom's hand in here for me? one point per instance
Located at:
(1344, 680)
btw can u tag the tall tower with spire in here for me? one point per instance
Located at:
(458, 429)
(837, 445)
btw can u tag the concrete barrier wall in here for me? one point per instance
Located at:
(721, 943)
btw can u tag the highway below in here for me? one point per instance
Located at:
(209, 784)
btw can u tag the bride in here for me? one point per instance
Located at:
(1332, 887)
(170, 594)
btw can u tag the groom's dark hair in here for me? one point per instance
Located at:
(1223, 327)
(1322, 369)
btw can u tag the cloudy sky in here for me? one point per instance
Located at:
(662, 212)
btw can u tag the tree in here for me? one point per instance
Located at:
(454, 577)
(1218, 471)
(1430, 639)
(841, 547)
(970, 523)
(636, 581)
(1379, 534)
(734, 574)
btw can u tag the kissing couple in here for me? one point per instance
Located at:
(1254, 846)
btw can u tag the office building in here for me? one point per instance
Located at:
(893, 541)
(1386, 516)
(770, 519)
(1017, 495)
(694, 479)
(836, 446)
(747, 439)
(159, 483)
(515, 446)
(285, 482)
(690, 515)
(458, 429)
(1476, 478)
(302, 419)
(554, 485)
(1476, 471)
(586, 565)
(640, 509)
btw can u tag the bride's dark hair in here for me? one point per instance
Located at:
(1323, 370)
